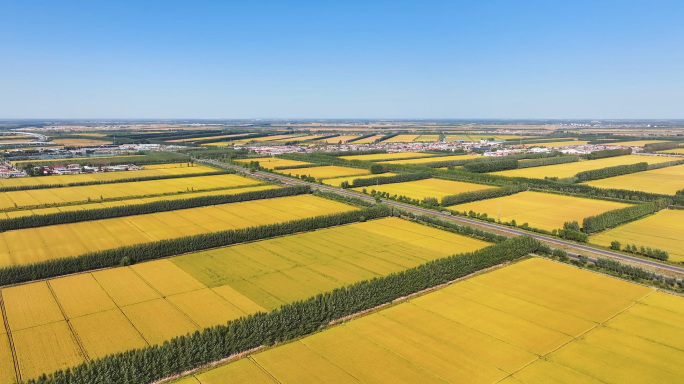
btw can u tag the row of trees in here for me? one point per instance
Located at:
(389, 179)
(98, 182)
(611, 219)
(607, 153)
(603, 173)
(140, 209)
(547, 161)
(619, 268)
(466, 197)
(164, 248)
(653, 253)
(652, 147)
(491, 166)
(286, 323)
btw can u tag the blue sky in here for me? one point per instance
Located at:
(342, 59)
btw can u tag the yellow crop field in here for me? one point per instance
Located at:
(67, 240)
(666, 181)
(133, 158)
(335, 182)
(206, 138)
(46, 348)
(478, 137)
(265, 138)
(337, 139)
(637, 143)
(107, 332)
(368, 140)
(80, 142)
(540, 210)
(326, 172)
(105, 176)
(530, 322)
(433, 159)
(134, 191)
(384, 156)
(7, 374)
(272, 162)
(676, 151)
(30, 305)
(148, 303)
(571, 169)
(426, 138)
(421, 189)
(314, 262)
(567, 143)
(662, 230)
(401, 139)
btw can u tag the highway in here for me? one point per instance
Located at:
(461, 220)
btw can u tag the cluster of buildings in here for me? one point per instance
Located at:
(74, 169)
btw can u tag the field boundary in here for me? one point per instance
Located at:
(77, 339)
(15, 360)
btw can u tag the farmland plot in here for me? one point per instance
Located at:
(665, 181)
(326, 172)
(421, 189)
(534, 321)
(540, 210)
(433, 159)
(384, 156)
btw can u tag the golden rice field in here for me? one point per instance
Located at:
(337, 139)
(535, 321)
(106, 176)
(326, 172)
(421, 189)
(265, 138)
(559, 143)
(132, 158)
(370, 139)
(432, 159)
(133, 201)
(206, 138)
(637, 143)
(450, 138)
(122, 308)
(676, 151)
(80, 194)
(272, 162)
(666, 181)
(571, 169)
(662, 230)
(335, 182)
(426, 138)
(32, 245)
(540, 210)
(401, 139)
(384, 156)
(80, 142)
(305, 138)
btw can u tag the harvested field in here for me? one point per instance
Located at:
(433, 159)
(135, 192)
(571, 169)
(540, 210)
(665, 181)
(533, 321)
(335, 182)
(421, 189)
(326, 172)
(58, 241)
(662, 230)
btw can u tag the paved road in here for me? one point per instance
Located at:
(462, 220)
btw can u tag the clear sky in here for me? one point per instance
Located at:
(341, 59)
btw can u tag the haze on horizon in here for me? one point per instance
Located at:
(354, 59)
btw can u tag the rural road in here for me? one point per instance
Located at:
(459, 219)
